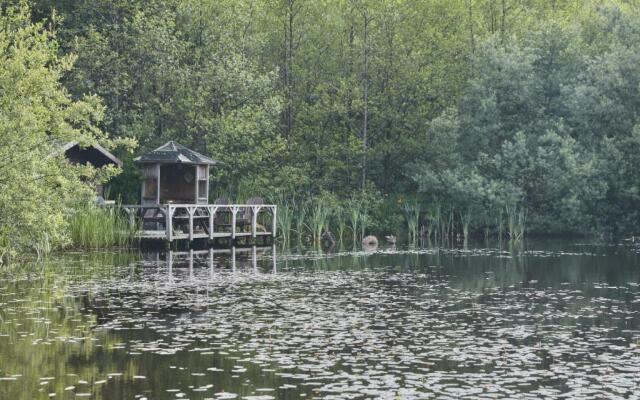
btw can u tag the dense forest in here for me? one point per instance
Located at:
(476, 109)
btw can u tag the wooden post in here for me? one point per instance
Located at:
(234, 212)
(254, 220)
(168, 216)
(191, 211)
(212, 217)
(274, 223)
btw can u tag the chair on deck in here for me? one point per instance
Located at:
(223, 215)
(246, 214)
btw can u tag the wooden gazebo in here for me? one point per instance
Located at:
(173, 173)
(174, 201)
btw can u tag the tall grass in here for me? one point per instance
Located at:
(99, 227)
(340, 217)
(285, 217)
(300, 220)
(515, 222)
(411, 211)
(319, 221)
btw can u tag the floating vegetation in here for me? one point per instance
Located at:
(412, 323)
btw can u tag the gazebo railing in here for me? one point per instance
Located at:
(201, 221)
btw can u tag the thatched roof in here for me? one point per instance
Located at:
(174, 153)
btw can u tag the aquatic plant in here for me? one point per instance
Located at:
(355, 215)
(340, 218)
(93, 226)
(411, 210)
(515, 222)
(301, 211)
(285, 220)
(319, 220)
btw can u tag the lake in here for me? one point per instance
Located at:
(546, 319)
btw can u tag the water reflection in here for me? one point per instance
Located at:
(547, 320)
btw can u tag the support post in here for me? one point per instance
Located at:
(212, 218)
(191, 211)
(254, 220)
(234, 213)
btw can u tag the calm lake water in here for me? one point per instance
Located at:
(546, 320)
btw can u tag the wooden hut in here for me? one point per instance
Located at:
(95, 155)
(173, 173)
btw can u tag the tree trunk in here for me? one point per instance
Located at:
(365, 122)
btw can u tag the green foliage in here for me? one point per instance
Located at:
(474, 107)
(37, 184)
(97, 227)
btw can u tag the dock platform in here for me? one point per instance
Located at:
(180, 222)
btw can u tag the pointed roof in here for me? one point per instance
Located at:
(95, 154)
(174, 153)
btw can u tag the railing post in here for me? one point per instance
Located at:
(275, 220)
(212, 217)
(254, 220)
(234, 212)
(191, 211)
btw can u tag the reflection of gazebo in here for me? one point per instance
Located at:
(173, 173)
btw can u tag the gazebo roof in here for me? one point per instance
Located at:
(174, 153)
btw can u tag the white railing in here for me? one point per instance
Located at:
(202, 220)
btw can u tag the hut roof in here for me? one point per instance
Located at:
(174, 153)
(94, 154)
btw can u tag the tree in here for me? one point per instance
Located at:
(37, 184)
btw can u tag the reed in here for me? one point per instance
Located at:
(515, 222)
(96, 227)
(301, 211)
(285, 221)
(355, 216)
(411, 210)
(319, 221)
(340, 222)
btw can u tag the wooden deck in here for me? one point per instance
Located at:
(172, 222)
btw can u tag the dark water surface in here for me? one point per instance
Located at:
(547, 320)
